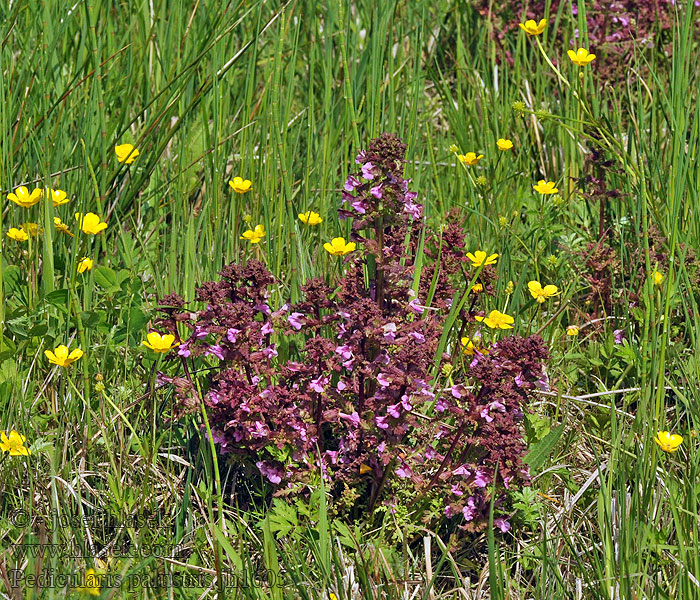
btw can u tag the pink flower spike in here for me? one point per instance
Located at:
(318, 384)
(458, 390)
(345, 352)
(485, 414)
(359, 206)
(480, 479)
(417, 336)
(270, 352)
(389, 331)
(381, 422)
(502, 524)
(216, 350)
(462, 470)
(384, 380)
(469, 511)
(368, 170)
(403, 471)
(272, 473)
(351, 183)
(295, 320)
(354, 418)
(414, 306)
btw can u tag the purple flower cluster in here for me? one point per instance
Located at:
(491, 413)
(378, 188)
(355, 390)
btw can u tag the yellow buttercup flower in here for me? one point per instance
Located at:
(58, 197)
(364, 469)
(658, 278)
(497, 320)
(85, 264)
(477, 288)
(90, 223)
(31, 228)
(310, 218)
(540, 293)
(532, 28)
(470, 346)
(14, 444)
(479, 258)
(338, 247)
(160, 343)
(19, 235)
(62, 357)
(470, 158)
(545, 187)
(254, 235)
(572, 330)
(126, 153)
(61, 226)
(581, 57)
(240, 185)
(91, 583)
(504, 144)
(667, 441)
(22, 197)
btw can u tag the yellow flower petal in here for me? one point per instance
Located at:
(504, 144)
(667, 441)
(240, 185)
(90, 223)
(160, 343)
(338, 247)
(19, 235)
(62, 357)
(126, 153)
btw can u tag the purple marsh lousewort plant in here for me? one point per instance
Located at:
(353, 391)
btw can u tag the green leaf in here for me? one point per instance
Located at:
(38, 330)
(271, 561)
(536, 427)
(231, 554)
(282, 518)
(540, 451)
(106, 277)
(137, 322)
(58, 298)
(12, 279)
(92, 319)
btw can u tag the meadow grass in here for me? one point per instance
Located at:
(284, 94)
